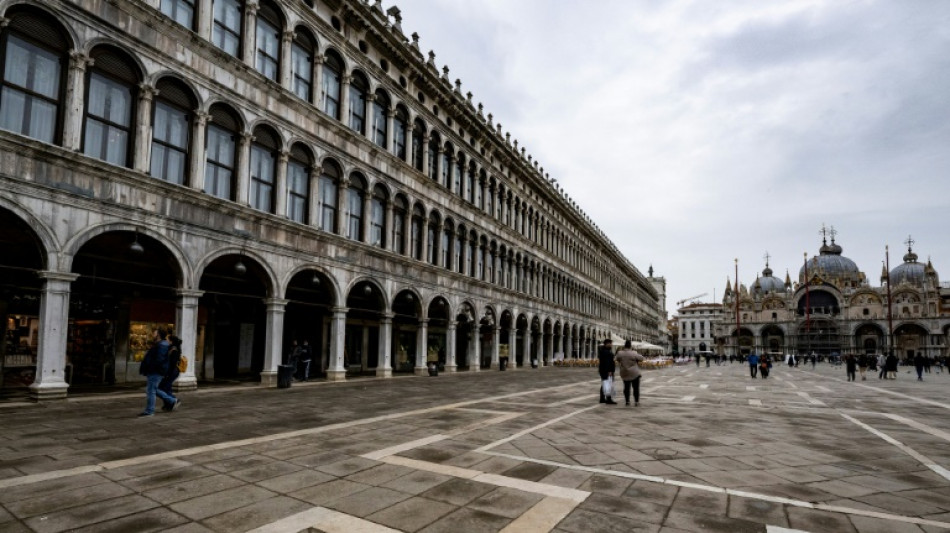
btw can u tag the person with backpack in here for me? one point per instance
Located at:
(154, 367)
(174, 369)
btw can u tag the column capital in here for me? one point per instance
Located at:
(451, 325)
(189, 293)
(247, 137)
(251, 7)
(337, 311)
(275, 303)
(387, 317)
(202, 117)
(319, 59)
(282, 156)
(50, 275)
(347, 79)
(77, 60)
(423, 321)
(147, 92)
(287, 36)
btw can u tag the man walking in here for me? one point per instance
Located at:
(306, 355)
(154, 367)
(753, 364)
(606, 368)
(629, 361)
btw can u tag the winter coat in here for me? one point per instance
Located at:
(629, 362)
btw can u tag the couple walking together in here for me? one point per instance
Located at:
(160, 368)
(629, 361)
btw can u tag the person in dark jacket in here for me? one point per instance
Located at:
(606, 368)
(154, 367)
(891, 366)
(753, 364)
(851, 364)
(174, 357)
(919, 366)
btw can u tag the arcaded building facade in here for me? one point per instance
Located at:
(251, 173)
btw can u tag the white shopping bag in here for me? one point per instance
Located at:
(608, 386)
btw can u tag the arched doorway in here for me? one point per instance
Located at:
(506, 336)
(234, 288)
(365, 305)
(819, 336)
(310, 299)
(742, 343)
(20, 292)
(522, 338)
(126, 288)
(487, 338)
(773, 341)
(869, 339)
(536, 347)
(909, 340)
(465, 335)
(438, 327)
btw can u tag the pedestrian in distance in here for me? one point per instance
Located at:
(891, 366)
(174, 357)
(863, 366)
(154, 367)
(919, 366)
(306, 355)
(629, 362)
(753, 364)
(765, 365)
(606, 368)
(851, 365)
(292, 356)
(882, 364)
(814, 361)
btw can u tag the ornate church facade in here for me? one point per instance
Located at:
(832, 308)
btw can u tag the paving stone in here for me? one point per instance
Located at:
(47, 504)
(168, 477)
(469, 521)
(93, 513)
(815, 520)
(891, 503)
(152, 520)
(529, 471)
(412, 514)
(866, 524)
(648, 491)
(192, 489)
(219, 502)
(505, 502)
(601, 483)
(706, 522)
(347, 466)
(379, 474)
(66, 485)
(585, 521)
(416, 482)
(612, 505)
(256, 514)
(842, 488)
(458, 491)
(757, 511)
(690, 500)
(367, 502)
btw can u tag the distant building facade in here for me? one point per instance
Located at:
(833, 309)
(696, 325)
(250, 173)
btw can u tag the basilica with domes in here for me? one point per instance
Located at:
(832, 308)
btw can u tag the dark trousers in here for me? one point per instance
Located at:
(850, 372)
(636, 389)
(166, 384)
(753, 369)
(764, 371)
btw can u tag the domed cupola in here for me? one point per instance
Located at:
(831, 266)
(768, 282)
(910, 271)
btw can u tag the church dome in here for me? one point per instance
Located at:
(831, 264)
(910, 271)
(770, 283)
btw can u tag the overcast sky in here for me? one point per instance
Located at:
(696, 132)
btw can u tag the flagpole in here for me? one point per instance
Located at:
(890, 318)
(807, 309)
(738, 353)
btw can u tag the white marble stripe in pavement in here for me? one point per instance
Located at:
(533, 429)
(811, 400)
(393, 450)
(926, 461)
(822, 389)
(749, 388)
(755, 402)
(885, 391)
(917, 425)
(688, 398)
(777, 529)
(732, 492)
(543, 516)
(704, 386)
(323, 519)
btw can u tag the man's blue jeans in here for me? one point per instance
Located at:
(152, 390)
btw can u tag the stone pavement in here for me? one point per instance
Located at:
(709, 449)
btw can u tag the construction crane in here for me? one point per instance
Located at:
(684, 300)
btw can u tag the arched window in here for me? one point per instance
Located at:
(171, 131)
(416, 229)
(470, 183)
(301, 64)
(458, 174)
(332, 79)
(399, 225)
(228, 17)
(490, 198)
(377, 217)
(432, 240)
(269, 27)
(110, 93)
(480, 258)
(221, 149)
(432, 152)
(446, 165)
(480, 184)
(354, 207)
(445, 246)
(400, 123)
(418, 145)
(358, 89)
(181, 11)
(263, 168)
(299, 167)
(329, 179)
(470, 255)
(35, 51)
(380, 129)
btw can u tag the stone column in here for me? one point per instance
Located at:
(250, 33)
(369, 117)
(75, 100)
(526, 348)
(197, 157)
(391, 132)
(274, 340)
(548, 358)
(280, 184)
(284, 75)
(567, 347)
(388, 230)
(450, 173)
(385, 365)
(475, 348)
(243, 168)
(450, 360)
(407, 231)
(336, 371)
(345, 99)
(317, 78)
(143, 128)
(424, 240)
(186, 321)
(313, 204)
(495, 347)
(50, 381)
(422, 348)
(513, 347)
(425, 152)
(204, 18)
(365, 219)
(341, 205)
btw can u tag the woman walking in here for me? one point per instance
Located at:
(629, 362)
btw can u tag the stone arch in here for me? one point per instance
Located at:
(270, 276)
(47, 239)
(334, 283)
